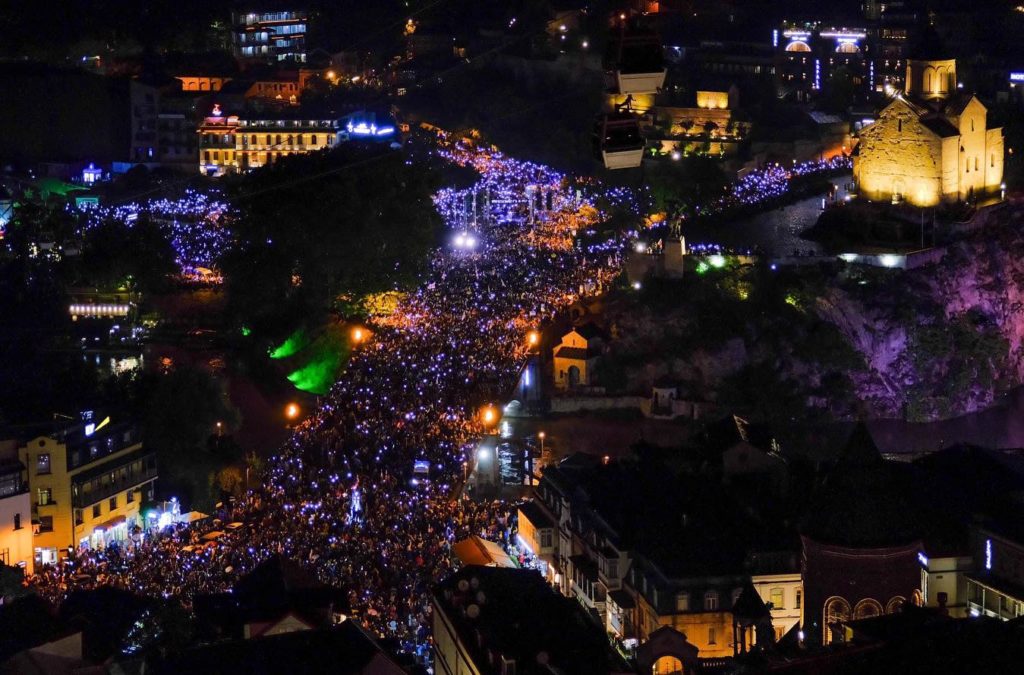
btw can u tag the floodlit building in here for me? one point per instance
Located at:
(575, 356)
(270, 36)
(86, 484)
(932, 143)
(239, 143)
(233, 143)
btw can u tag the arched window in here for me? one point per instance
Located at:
(895, 604)
(847, 48)
(836, 613)
(867, 608)
(269, 142)
(798, 46)
(711, 601)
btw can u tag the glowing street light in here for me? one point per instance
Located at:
(291, 411)
(489, 415)
(533, 338)
(358, 335)
(541, 436)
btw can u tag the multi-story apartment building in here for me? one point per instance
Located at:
(163, 119)
(639, 573)
(270, 36)
(87, 482)
(996, 587)
(15, 511)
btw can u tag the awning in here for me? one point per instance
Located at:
(110, 524)
(477, 551)
(212, 536)
(196, 515)
(234, 526)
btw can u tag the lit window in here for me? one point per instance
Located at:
(682, 602)
(43, 463)
(712, 635)
(778, 598)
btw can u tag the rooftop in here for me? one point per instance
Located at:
(524, 619)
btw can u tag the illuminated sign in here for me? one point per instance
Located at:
(364, 129)
(775, 38)
(90, 429)
(843, 35)
(923, 559)
(988, 554)
(1016, 77)
(798, 34)
(216, 110)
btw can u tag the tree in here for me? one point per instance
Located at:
(12, 583)
(352, 221)
(180, 411)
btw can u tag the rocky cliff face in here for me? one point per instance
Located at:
(942, 340)
(922, 344)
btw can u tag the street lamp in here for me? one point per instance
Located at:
(489, 415)
(291, 411)
(358, 335)
(533, 338)
(541, 435)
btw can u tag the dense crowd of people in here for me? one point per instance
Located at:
(342, 495)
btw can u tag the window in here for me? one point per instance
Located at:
(46, 523)
(682, 602)
(78, 517)
(113, 503)
(129, 497)
(712, 634)
(95, 510)
(17, 521)
(43, 463)
(799, 598)
(613, 569)
(899, 126)
(711, 601)
(44, 496)
(777, 598)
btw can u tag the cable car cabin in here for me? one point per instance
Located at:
(618, 142)
(634, 62)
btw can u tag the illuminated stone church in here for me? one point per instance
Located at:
(932, 142)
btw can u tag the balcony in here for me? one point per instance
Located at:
(101, 489)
